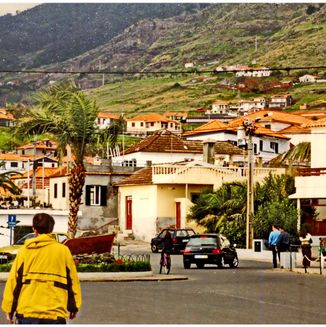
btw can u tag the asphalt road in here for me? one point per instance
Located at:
(250, 294)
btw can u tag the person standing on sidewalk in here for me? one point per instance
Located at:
(306, 240)
(272, 239)
(282, 242)
(43, 284)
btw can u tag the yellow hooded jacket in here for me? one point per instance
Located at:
(43, 281)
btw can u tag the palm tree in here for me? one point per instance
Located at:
(69, 115)
(6, 183)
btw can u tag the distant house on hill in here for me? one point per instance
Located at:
(280, 101)
(253, 71)
(178, 116)
(39, 148)
(143, 125)
(6, 119)
(308, 78)
(104, 120)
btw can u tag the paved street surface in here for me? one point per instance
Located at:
(251, 294)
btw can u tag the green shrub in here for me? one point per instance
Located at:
(124, 266)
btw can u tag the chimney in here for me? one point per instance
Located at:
(209, 151)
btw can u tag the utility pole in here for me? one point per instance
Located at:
(249, 131)
(249, 128)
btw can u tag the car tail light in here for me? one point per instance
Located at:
(186, 250)
(174, 240)
(216, 251)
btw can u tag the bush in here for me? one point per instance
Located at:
(118, 265)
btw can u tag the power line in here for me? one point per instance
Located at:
(109, 72)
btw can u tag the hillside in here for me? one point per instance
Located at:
(147, 37)
(53, 32)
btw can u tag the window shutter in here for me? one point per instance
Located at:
(88, 195)
(103, 195)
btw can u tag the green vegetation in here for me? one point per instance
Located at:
(119, 265)
(224, 210)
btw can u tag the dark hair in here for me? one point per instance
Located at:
(43, 223)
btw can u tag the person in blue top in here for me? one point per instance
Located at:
(272, 242)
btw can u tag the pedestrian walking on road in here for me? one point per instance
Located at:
(43, 284)
(272, 239)
(306, 240)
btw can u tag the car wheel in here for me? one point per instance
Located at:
(186, 265)
(154, 248)
(234, 263)
(200, 265)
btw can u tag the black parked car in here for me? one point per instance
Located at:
(180, 237)
(209, 249)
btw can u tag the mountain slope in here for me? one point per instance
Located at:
(54, 32)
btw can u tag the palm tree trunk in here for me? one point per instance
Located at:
(76, 184)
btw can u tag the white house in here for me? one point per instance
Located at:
(166, 147)
(104, 120)
(310, 183)
(6, 119)
(280, 101)
(143, 125)
(253, 71)
(266, 143)
(167, 191)
(44, 147)
(308, 78)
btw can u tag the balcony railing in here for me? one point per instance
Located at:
(311, 172)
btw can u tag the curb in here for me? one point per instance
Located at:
(118, 277)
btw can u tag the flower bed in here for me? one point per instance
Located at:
(105, 263)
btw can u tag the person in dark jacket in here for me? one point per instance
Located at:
(167, 243)
(283, 240)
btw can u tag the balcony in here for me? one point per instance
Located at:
(207, 174)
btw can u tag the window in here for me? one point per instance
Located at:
(14, 164)
(133, 125)
(55, 191)
(96, 195)
(274, 146)
(63, 190)
(141, 124)
(261, 144)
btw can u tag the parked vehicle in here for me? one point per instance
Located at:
(205, 249)
(8, 253)
(180, 237)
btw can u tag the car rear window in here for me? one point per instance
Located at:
(199, 241)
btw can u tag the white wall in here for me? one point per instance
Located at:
(318, 153)
(144, 210)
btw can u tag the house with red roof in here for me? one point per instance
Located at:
(166, 147)
(104, 120)
(6, 119)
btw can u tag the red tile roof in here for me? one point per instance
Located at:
(167, 142)
(141, 177)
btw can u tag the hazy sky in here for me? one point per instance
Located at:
(6, 8)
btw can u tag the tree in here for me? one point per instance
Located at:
(69, 115)
(6, 183)
(224, 210)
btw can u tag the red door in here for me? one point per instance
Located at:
(128, 212)
(177, 215)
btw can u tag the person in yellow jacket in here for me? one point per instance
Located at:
(43, 285)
